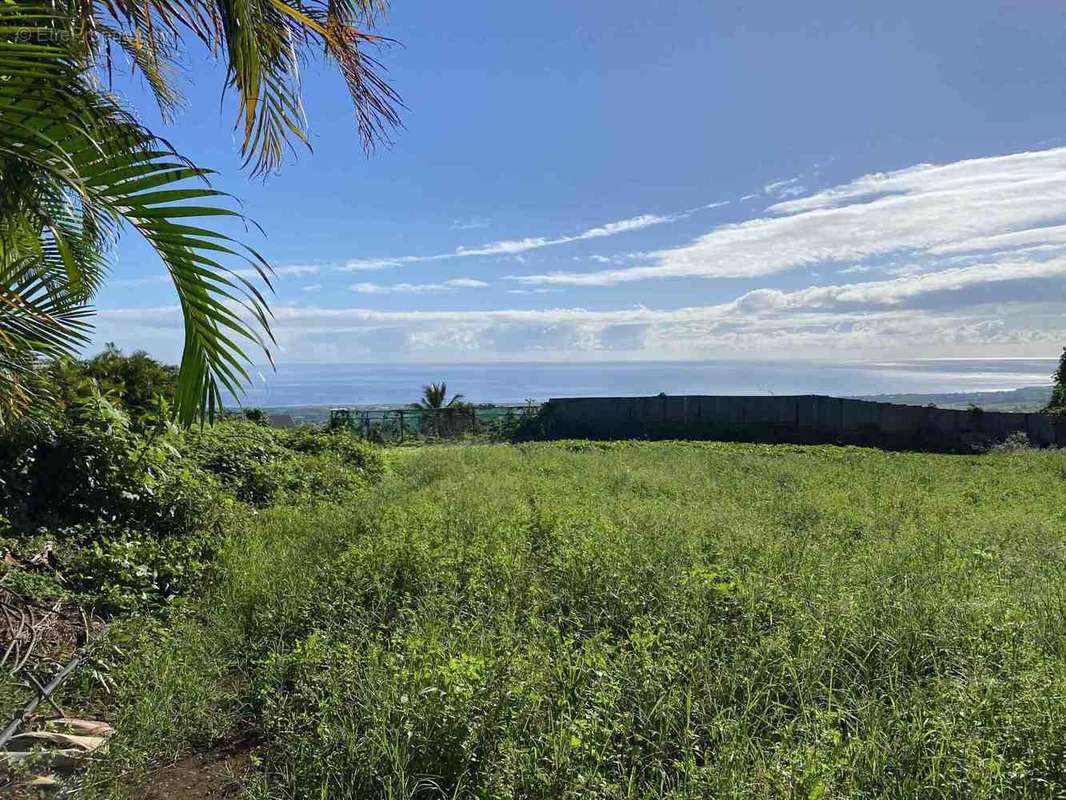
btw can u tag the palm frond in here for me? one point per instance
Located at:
(54, 123)
(263, 42)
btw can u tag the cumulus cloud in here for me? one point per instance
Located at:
(924, 212)
(988, 305)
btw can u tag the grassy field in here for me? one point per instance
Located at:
(634, 620)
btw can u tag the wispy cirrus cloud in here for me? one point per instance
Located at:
(997, 204)
(418, 288)
(283, 271)
(472, 224)
(789, 187)
(505, 247)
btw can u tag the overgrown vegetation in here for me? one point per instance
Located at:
(132, 517)
(631, 620)
(109, 514)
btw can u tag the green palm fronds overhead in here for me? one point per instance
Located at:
(77, 169)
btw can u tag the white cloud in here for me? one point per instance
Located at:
(789, 187)
(471, 224)
(361, 264)
(922, 212)
(948, 286)
(418, 288)
(145, 280)
(312, 287)
(964, 258)
(1014, 308)
(515, 246)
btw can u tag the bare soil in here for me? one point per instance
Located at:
(215, 775)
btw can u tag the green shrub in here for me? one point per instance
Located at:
(230, 449)
(316, 477)
(1057, 403)
(123, 569)
(262, 466)
(90, 466)
(136, 382)
(350, 449)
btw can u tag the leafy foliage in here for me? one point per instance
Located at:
(136, 382)
(1057, 404)
(134, 513)
(262, 466)
(90, 466)
(435, 397)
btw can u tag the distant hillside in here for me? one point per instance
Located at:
(1028, 398)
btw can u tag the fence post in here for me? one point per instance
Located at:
(401, 426)
(473, 420)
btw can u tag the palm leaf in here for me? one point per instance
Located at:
(263, 42)
(54, 124)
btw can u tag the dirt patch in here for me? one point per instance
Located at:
(216, 775)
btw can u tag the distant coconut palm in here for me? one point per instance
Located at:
(435, 395)
(441, 415)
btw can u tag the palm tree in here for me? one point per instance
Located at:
(434, 396)
(77, 169)
(443, 414)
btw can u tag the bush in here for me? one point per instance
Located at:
(136, 381)
(133, 512)
(262, 466)
(1057, 404)
(90, 466)
(351, 450)
(230, 449)
(128, 520)
(124, 569)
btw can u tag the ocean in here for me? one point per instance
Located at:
(506, 383)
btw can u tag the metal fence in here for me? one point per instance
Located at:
(408, 423)
(794, 418)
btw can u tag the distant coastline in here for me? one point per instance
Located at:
(942, 381)
(1025, 399)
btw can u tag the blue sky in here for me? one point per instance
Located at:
(623, 180)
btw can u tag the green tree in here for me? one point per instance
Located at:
(136, 380)
(77, 168)
(435, 396)
(441, 415)
(1057, 404)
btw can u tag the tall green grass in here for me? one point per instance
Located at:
(640, 620)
